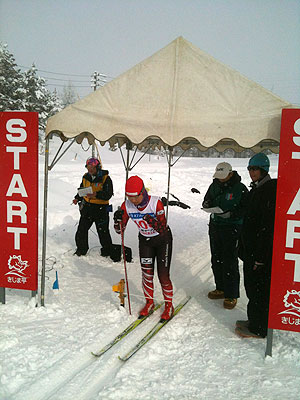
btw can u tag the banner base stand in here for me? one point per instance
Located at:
(2, 295)
(269, 343)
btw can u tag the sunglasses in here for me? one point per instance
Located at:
(253, 168)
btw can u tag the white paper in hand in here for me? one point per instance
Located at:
(213, 210)
(84, 191)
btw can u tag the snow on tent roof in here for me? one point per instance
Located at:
(178, 96)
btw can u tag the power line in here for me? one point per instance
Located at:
(58, 79)
(51, 72)
(75, 86)
(101, 78)
(60, 73)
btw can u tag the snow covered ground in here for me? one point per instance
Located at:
(45, 352)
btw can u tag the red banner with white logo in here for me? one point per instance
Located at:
(19, 200)
(285, 283)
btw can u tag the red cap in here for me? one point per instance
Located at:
(134, 186)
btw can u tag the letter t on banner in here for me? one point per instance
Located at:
(19, 200)
(285, 282)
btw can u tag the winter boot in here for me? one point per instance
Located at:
(105, 251)
(79, 253)
(245, 333)
(147, 308)
(229, 303)
(168, 312)
(242, 324)
(216, 294)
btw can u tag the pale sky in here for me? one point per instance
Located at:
(258, 38)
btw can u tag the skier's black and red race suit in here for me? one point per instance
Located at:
(155, 242)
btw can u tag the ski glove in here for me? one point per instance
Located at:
(206, 204)
(164, 201)
(117, 227)
(225, 214)
(194, 190)
(155, 224)
(118, 215)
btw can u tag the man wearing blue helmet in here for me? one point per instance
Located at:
(256, 246)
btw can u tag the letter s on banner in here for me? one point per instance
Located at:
(19, 197)
(296, 140)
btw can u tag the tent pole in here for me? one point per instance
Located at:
(127, 162)
(169, 158)
(56, 158)
(46, 170)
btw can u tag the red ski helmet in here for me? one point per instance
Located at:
(93, 162)
(134, 186)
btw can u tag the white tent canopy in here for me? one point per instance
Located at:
(178, 96)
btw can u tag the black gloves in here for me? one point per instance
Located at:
(164, 201)
(194, 190)
(149, 219)
(118, 215)
(206, 204)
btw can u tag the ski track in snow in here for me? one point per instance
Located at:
(45, 352)
(91, 373)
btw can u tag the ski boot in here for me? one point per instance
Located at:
(168, 312)
(149, 306)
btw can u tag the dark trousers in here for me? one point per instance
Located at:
(257, 286)
(98, 214)
(224, 258)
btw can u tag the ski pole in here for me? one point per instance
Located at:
(124, 258)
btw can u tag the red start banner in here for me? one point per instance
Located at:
(19, 200)
(285, 283)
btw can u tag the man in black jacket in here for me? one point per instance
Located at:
(94, 208)
(256, 245)
(228, 193)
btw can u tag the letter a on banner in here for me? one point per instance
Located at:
(285, 283)
(19, 200)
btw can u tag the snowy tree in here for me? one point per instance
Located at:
(38, 98)
(11, 82)
(25, 91)
(69, 95)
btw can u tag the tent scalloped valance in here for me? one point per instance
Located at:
(154, 142)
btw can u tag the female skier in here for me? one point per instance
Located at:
(155, 241)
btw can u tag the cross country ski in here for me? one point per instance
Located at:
(156, 328)
(125, 332)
